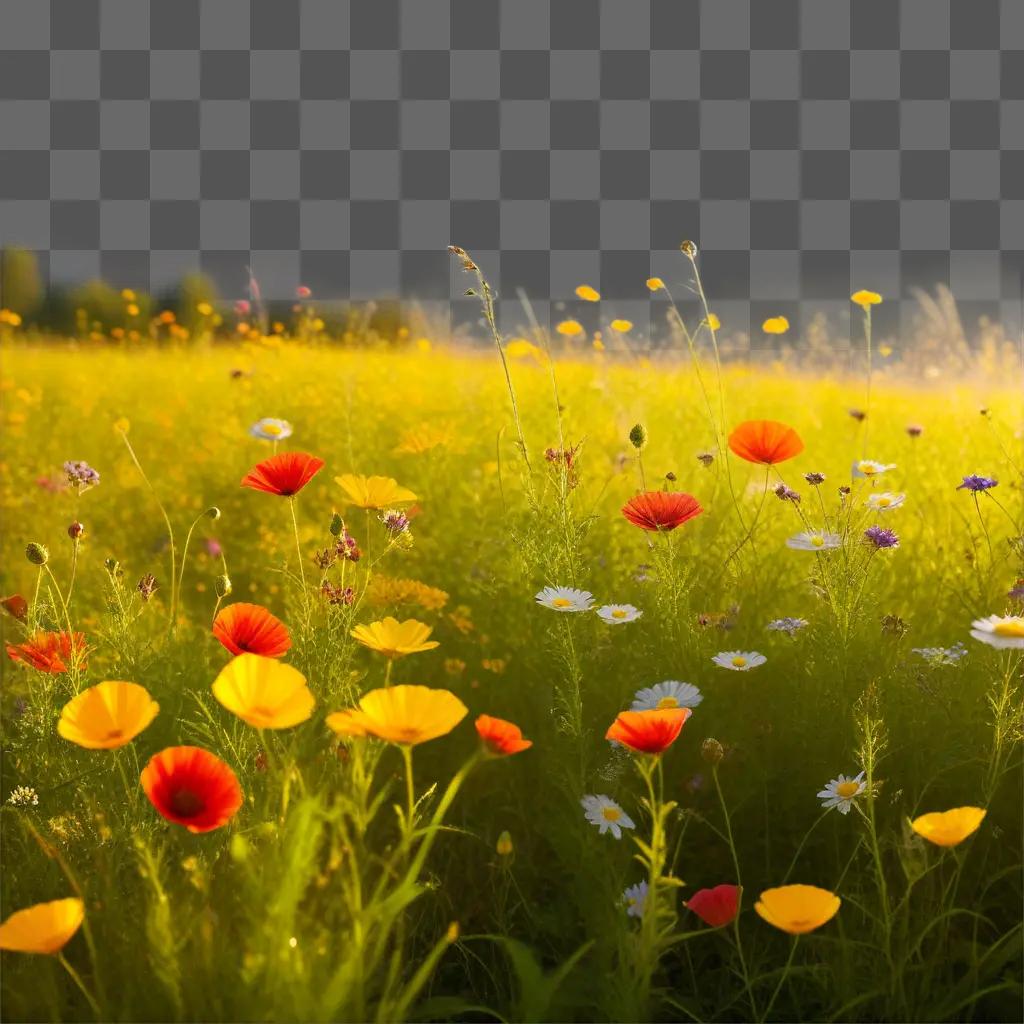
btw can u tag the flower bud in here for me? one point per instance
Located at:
(337, 525)
(37, 554)
(712, 751)
(638, 436)
(222, 585)
(688, 248)
(504, 844)
(76, 531)
(213, 513)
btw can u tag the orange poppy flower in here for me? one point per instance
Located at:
(717, 906)
(661, 510)
(285, 474)
(251, 629)
(15, 606)
(50, 652)
(648, 732)
(500, 737)
(765, 441)
(192, 787)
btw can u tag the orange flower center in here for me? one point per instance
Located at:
(739, 662)
(561, 602)
(115, 734)
(611, 813)
(619, 613)
(847, 789)
(667, 702)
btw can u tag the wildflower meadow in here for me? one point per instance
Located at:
(355, 675)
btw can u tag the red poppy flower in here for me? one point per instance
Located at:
(192, 787)
(16, 606)
(50, 652)
(648, 732)
(500, 737)
(765, 441)
(251, 629)
(661, 510)
(283, 474)
(717, 906)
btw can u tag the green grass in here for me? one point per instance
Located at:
(200, 927)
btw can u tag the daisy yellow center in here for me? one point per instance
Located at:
(883, 502)
(619, 613)
(271, 428)
(1012, 627)
(867, 469)
(667, 702)
(611, 813)
(739, 661)
(818, 541)
(847, 789)
(561, 602)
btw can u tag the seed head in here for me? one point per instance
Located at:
(689, 249)
(712, 751)
(37, 554)
(638, 436)
(76, 531)
(222, 585)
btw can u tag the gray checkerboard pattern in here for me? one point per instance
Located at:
(808, 146)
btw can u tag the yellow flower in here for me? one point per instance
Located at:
(128, 295)
(395, 639)
(42, 928)
(798, 909)
(410, 714)
(263, 692)
(122, 425)
(204, 309)
(948, 828)
(655, 284)
(377, 492)
(107, 715)
(423, 345)
(864, 299)
(347, 723)
(598, 345)
(570, 328)
(588, 294)
(622, 326)
(775, 325)
(520, 348)
(384, 591)
(713, 322)
(132, 309)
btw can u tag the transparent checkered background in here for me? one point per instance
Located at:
(808, 146)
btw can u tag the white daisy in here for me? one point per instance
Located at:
(565, 599)
(869, 468)
(669, 694)
(270, 429)
(606, 814)
(942, 655)
(884, 501)
(789, 624)
(814, 540)
(739, 661)
(633, 899)
(1003, 631)
(841, 792)
(615, 614)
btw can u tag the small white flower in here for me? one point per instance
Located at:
(942, 655)
(606, 814)
(869, 468)
(739, 661)
(23, 796)
(789, 625)
(566, 599)
(634, 898)
(885, 501)
(842, 791)
(616, 614)
(1003, 631)
(669, 694)
(270, 429)
(814, 540)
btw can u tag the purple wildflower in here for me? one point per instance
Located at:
(784, 493)
(881, 537)
(814, 479)
(80, 474)
(976, 483)
(394, 521)
(213, 547)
